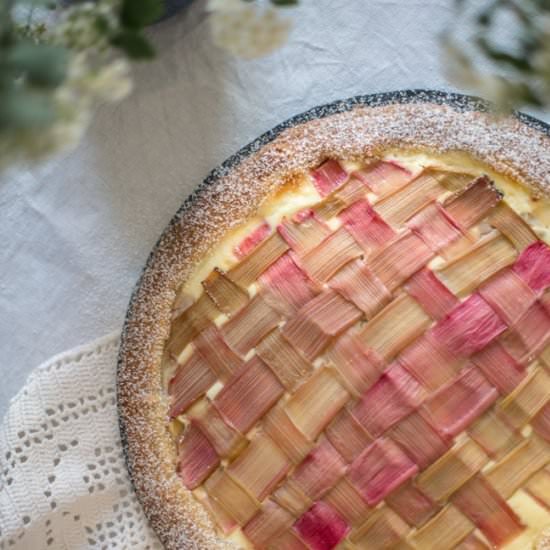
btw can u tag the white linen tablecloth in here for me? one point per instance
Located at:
(77, 230)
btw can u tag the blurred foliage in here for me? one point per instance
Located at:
(134, 16)
(29, 70)
(506, 55)
(59, 57)
(35, 52)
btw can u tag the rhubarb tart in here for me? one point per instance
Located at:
(342, 340)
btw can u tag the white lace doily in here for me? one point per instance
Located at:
(63, 481)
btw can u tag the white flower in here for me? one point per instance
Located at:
(112, 82)
(106, 82)
(79, 27)
(67, 132)
(246, 29)
(92, 76)
(75, 101)
(64, 134)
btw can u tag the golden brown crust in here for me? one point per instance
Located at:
(506, 145)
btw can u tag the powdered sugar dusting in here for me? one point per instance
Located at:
(354, 129)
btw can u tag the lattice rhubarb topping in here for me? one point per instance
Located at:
(373, 371)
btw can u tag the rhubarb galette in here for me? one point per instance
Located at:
(343, 339)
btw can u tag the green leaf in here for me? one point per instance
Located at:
(529, 45)
(6, 23)
(543, 4)
(284, 2)
(503, 57)
(22, 109)
(134, 45)
(102, 24)
(136, 14)
(484, 18)
(42, 65)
